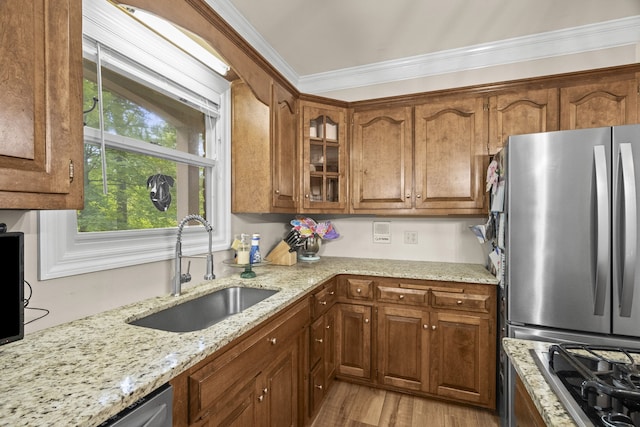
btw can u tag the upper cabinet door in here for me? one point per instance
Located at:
(451, 155)
(324, 159)
(599, 104)
(284, 167)
(41, 149)
(519, 112)
(382, 159)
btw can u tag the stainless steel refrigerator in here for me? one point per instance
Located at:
(571, 224)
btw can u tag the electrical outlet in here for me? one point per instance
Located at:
(411, 237)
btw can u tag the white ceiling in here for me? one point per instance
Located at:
(330, 35)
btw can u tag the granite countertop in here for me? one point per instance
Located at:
(545, 399)
(83, 372)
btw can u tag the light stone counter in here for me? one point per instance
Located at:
(82, 372)
(545, 399)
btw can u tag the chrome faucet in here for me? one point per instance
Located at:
(180, 278)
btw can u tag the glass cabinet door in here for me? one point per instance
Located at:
(324, 152)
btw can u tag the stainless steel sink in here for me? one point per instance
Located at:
(204, 311)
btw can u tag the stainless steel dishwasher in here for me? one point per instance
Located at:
(153, 410)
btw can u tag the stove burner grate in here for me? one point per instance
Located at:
(604, 380)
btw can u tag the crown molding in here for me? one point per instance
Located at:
(586, 38)
(238, 22)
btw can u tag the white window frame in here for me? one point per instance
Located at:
(63, 251)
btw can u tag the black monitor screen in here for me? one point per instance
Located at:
(11, 287)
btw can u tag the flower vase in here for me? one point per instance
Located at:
(310, 248)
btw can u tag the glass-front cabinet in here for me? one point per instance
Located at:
(324, 159)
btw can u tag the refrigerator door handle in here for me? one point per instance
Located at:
(602, 231)
(628, 183)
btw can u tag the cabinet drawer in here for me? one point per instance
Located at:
(402, 296)
(461, 301)
(227, 374)
(323, 300)
(360, 289)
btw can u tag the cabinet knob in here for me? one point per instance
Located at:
(418, 195)
(306, 196)
(433, 327)
(260, 398)
(359, 290)
(408, 196)
(328, 327)
(319, 340)
(332, 293)
(318, 386)
(277, 191)
(273, 341)
(401, 297)
(265, 390)
(425, 326)
(322, 302)
(459, 302)
(366, 320)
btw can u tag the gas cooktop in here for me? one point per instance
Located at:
(599, 385)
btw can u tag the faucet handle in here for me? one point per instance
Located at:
(186, 277)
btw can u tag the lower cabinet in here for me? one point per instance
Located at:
(322, 346)
(430, 338)
(255, 382)
(354, 341)
(427, 338)
(526, 413)
(278, 390)
(403, 348)
(461, 358)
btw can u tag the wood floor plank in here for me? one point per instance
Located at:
(368, 405)
(351, 405)
(397, 410)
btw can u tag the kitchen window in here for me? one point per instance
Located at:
(161, 120)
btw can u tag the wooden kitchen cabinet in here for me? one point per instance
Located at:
(431, 165)
(438, 338)
(382, 159)
(322, 344)
(451, 156)
(41, 146)
(255, 381)
(264, 172)
(354, 341)
(462, 347)
(324, 158)
(520, 111)
(608, 101)
(526, 413)
(403, 347)
(285, 175)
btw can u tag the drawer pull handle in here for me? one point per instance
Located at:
(319, 340)
(318, 386)
(401, 297)
(459, 302)
(273, 341)
(322, 302)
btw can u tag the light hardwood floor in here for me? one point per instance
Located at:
(351, 405)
